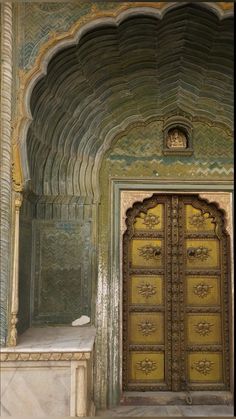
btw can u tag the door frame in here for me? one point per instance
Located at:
(123, 193)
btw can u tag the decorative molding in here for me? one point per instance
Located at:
(6, 159)
(43, 356)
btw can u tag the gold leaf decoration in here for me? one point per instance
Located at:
(146, 366)
(147, 289)
(146, 327)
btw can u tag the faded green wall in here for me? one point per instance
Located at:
(138, 154)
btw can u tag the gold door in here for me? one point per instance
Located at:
(175, 296)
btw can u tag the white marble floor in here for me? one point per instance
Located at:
(167, 411)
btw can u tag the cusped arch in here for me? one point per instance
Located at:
(65, 41)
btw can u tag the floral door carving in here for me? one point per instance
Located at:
(175, 296)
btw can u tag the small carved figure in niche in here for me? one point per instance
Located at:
(176, 139)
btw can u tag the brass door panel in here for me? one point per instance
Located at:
(202, 291)
(198, 221)
(204, 329)
(146, 367)
(205, 367)
(146, 253)
(202, 254)
(147, 328)
(175, 296)
(147, 290)
(152, 220)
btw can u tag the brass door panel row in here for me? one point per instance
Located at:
(175, 296)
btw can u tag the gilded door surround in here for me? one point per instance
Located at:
(123, 193)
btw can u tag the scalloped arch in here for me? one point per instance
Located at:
(58, 43)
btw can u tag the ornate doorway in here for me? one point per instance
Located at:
(175, 296)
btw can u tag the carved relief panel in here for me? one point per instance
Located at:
(175, 330)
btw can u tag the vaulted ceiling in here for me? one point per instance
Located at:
(143, 67)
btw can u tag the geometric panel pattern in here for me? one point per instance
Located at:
(62, 282)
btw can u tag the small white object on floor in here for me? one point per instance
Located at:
(81, 321)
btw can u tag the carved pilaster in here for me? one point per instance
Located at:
(15, 275)
(6, 157)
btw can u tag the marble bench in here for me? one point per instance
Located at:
(49, 372)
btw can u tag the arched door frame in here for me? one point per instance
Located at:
(123, 193)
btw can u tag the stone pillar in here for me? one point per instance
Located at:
(5, 163)
(15, 272)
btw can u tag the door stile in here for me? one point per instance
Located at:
(226, 292)
(176, 349)
(182, 312)
(168, 294)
